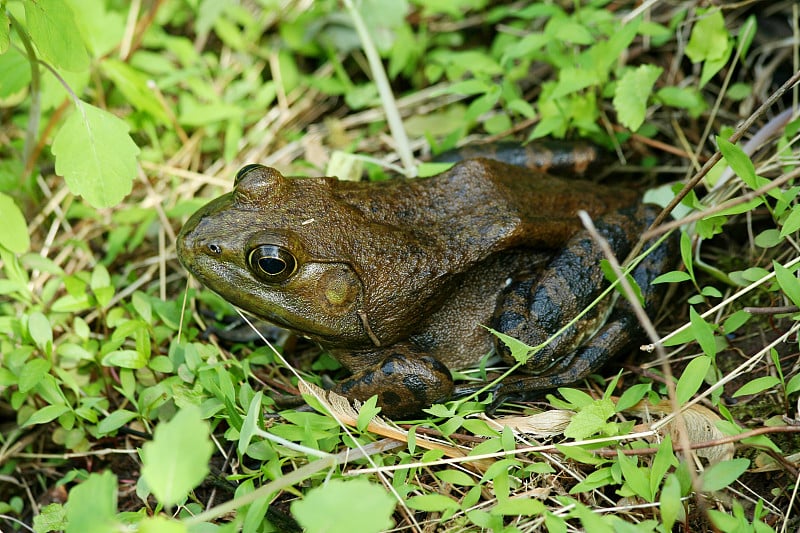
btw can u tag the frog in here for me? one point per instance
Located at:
(404, 280)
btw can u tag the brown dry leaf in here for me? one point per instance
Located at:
(700, 424)
(341, 408)
(545, 424)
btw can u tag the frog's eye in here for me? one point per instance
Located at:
(244, 171)
(271, 263)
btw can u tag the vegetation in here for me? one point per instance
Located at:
(120, 119)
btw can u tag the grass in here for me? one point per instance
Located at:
(110, 396)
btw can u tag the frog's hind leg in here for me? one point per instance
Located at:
(619, 333)
(405, 382)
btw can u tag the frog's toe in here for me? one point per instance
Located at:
(404, 383)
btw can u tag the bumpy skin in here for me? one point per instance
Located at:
(396, 278)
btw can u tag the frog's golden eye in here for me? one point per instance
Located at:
(271, 263)
(244, 171)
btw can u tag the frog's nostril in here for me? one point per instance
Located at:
(215, 249)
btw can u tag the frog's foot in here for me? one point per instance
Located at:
(405, 383)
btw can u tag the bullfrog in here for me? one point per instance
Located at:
(400, 279)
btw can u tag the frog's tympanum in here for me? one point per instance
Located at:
(398, 278)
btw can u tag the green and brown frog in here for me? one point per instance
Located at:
(398, 278)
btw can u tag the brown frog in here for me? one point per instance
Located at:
(397, 278)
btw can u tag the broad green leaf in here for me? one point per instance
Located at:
(675, 276)
(32, 373)
(520, 351)
(632, 93)
(590, 420)
(340, 506)
(92, 505)
(52, 517)
(703, 333)
(738, 161)
(793, 385)
(688, 98)
(757, 385)
(176, 460)
(692, 377)
(115, 420)
(432, 503)
(15, 73)
(96, 155)
(14, 236)
(722, 474)
(634, 476)
(41, 331)
(791, 223)
(53, 29)
(671, 505)
(788, 282)
(250, 423)
(4, 31)
(125, 359)
(709, 38)
(662, 462)
(46, 414)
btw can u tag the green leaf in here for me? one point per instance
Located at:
(634, 476)
(96, 155)
(15, 230)
(5, 24)
(688, 98)
(788, 282)
(662, 462)
(250, 423)
(15, 73)
(176, 460)
(590, 420)
(115, 420)
(692, 377)
(52, 517)
(790, 224)
(632, 93)
(676, 276)
(703, 333)
(46, 414)
(671, 505)
(793, 385)
(92, 505)
(432, 503)
(41, 331)
(738, 161)
(520, 351)
(125, 359)
(32, 374)
(340, 506)
(53, 29)
(722, 474)
(709, 38)
(757, 385)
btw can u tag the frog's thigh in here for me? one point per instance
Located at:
(405, 383)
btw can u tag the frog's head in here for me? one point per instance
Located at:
(258, 248)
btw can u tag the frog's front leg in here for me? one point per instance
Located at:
(405, 381)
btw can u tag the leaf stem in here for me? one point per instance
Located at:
(35, 112)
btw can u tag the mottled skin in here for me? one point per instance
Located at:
(396, 278)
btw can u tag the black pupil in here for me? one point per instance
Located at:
(272, 265)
